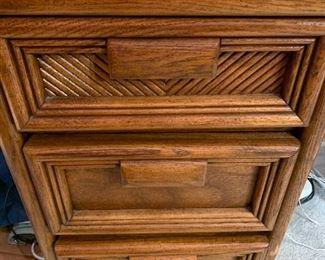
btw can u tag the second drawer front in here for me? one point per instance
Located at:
(166, 183)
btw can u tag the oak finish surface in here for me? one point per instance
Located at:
(176, 245)
(169, 7)
(248, 66)
(11, 142)
(104, 27)
(163, 173)
(162, 58)
(256, 83)
(230, 174)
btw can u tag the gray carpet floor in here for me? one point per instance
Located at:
(304, 231)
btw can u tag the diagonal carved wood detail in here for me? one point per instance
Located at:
(67, 75)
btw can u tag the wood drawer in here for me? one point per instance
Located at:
(163, 257)
(208, 247)
(135, 74)
(167, 183)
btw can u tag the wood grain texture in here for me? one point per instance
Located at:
(64, 74)
(221, 257)
(165, 8)
(177, 245)
(11, 142)
(209, 257)
(55, 76)
(262, 145)
(311, 138)
(67, 83)
(78, 75)
(181, 257)
(75, 166)
(162, 58)
(314, 82)
(10, 80)
(105, 27)
(222, 189)
(163, 173)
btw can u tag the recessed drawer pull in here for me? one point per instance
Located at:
(163, 173)
(162, 58)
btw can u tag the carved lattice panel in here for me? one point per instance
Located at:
(68, 75)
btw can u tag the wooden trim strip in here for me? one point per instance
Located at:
(259, 100)
(168, 221)
(161, 122)
(279, 189)
(165, 8)
(223, 225)
(314, 83)
(246, 48)
(103, 27)
(311, 138)
(257, 145)
(10, 80)
(266, 41)
(123, 216)
(263, 176)
(11, 142)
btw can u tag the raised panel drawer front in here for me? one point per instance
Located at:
(120, 74)
(166, 183)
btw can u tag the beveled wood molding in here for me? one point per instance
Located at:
(96, 247)
(273, 154)
(11, 143)
(311, 138)
(68, 87)
(246, 67)
(165, 8)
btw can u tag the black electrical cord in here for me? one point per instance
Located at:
(311, 195)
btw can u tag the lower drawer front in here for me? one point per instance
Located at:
(91, 184)
(201, 247)
(209, 257)
(205, 257)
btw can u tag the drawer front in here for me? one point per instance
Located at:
(180, 80)
(210, 257)
(161, 183)
(210, 247)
